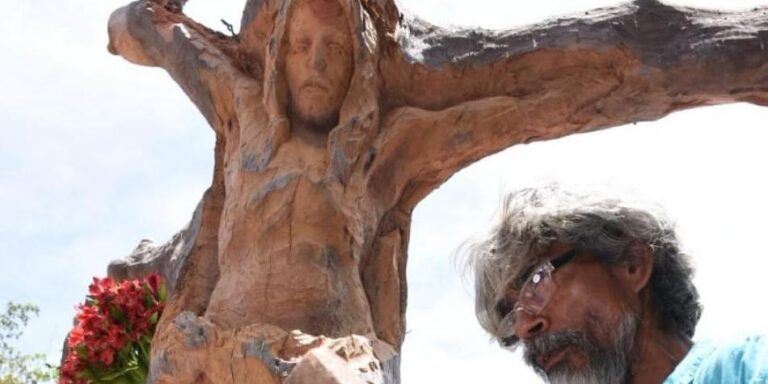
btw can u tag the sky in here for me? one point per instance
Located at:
(97, 154)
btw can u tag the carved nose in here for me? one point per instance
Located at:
(318, 61)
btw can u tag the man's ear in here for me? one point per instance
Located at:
(637, 271)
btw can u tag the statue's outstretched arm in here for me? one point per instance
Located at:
(615, 66)
(433, 68)
(198, 59)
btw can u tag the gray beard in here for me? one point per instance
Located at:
(605, 365)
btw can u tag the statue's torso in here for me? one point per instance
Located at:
(285, 254)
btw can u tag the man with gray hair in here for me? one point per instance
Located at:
(597, 290)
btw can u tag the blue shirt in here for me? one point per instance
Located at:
(741, 362)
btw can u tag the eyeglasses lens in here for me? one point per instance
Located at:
(537, 290)
(533, 297)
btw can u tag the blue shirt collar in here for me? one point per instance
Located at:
(686, 370)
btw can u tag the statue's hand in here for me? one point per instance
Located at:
(122, 43)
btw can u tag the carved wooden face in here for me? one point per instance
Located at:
(318, 65)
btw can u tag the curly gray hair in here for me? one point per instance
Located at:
(534, 218)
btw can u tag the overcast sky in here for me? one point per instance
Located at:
(97, 153)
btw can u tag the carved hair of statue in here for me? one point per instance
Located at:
(359, 115)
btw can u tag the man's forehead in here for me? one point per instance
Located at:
(321, 9)
(554, 249)
(308, 15)
(541, 252)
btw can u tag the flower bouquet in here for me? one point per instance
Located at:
(110, 342)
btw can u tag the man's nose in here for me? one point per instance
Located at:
(528, 326)
(318, 60)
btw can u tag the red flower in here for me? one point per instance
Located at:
(72, 365)
(154, 282)
(114, 317)
(75, 336)
(106, 356)
(101, 289)
(115, 338)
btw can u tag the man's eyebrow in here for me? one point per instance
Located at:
(523, 276)
(338, 38)
(297, 38)
(341, 31)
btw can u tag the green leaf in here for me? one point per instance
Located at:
(117, 314)
(149, 300)
(163, 294)
(124, 380)
(122, 372)
(81, 351)
(86, 374)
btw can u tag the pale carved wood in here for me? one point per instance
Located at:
(435, 100)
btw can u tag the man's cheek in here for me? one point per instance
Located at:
(574, 306)
(580, 290)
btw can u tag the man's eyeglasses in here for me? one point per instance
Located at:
(534, 296)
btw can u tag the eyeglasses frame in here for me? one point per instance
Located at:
(548, 267)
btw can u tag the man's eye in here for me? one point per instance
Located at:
(336, 48)
(298, 48)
